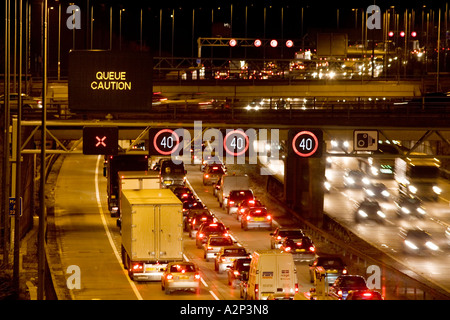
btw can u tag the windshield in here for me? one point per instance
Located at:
(424, 172)
(354, 282)
(240, 195)
(234, 252)
(215, 228)
(333, 263)
(182, 268)
(291, 233)
(220, 241)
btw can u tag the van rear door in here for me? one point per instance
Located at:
(267, 275)
(286, 277)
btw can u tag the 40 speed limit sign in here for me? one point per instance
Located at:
(305, 143)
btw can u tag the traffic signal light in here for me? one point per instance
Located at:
(100, 140)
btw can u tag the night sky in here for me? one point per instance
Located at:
(283, 20)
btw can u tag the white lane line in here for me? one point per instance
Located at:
(108, 233)
(214, 295)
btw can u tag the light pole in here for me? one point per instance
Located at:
(120, 28)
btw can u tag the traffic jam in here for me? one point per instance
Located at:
(261, 274)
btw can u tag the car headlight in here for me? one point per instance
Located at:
(405, 210)
(370, 192)
(421, 211)
(365, 181)
(437, 190)
(362, 213)
(412, 189)
(385, 193)
(327, 185)
(374, 171)
(411, 245)
(381, 214)
(430, 245)
(350, 180)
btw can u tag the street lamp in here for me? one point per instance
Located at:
(120, 28)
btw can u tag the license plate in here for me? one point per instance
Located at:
(184, 277)
(167, 182)
(258, 219)
(299, 250)
(149, 269)
(332, 271)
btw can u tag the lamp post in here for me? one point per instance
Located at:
(120, 28)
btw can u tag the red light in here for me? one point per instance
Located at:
(288, 249)
(391, 33)
(197, 276)
(257, 43)
(206, 176)
(402, 34)
(413, 34)
(289, 43)
(137, 266)
(269, 217)
(296, 288)
(344, 271)
(233, 42)
(169, 277)
(273, 43)
(201, 235)
(312, 249)
(251, 202)
(367, 294)
(279, 238)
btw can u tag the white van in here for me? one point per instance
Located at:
(271, 272)
(231, 182)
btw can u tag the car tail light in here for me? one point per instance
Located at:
(344, 271)
(256, 288)
(206, 176)
(236, 273)
(242, 210)
(279, 238)
(248, 218)
(201, 235)
(137, 266)
(367, 294)
(269, 217)
(169, 276)
(296, 288)
(251, 202)
(197, 276)
(231, 202)
(287, 249)
(210, 248)
(312, 249)
(184, 195)
(340, 293)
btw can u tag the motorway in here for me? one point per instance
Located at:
(90, 239)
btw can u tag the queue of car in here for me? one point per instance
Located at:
(288, 246)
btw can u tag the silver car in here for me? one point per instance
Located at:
(180, 276)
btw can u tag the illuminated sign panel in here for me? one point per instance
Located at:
(109, 81)
(305, 143)
(100, 140)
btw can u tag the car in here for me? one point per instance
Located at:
(377, 191)
(188, 205)
(417, 241)
(216, 187)
(227, 255)
(238, 271)
(212, 174)
(183, 193)
(195, 218)
(214, 244)
(355, 179)
(343, 284)
(211, 161)
(334, 267)
(243, 286)
(246, 205)
(364, 295)
(369, 210)
(235, 199)
(180, 276)
(207, 229)
(28, 102)
(280, 233)
(302, 250)
(408, 206)
(256, 218)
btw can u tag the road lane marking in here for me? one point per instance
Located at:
(108, 233)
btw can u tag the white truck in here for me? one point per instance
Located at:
(271, 273)
(152, 232)
(418, 177)
(136, 180)
(231, 182)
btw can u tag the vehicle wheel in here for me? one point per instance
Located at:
(162, 286)
(216, 267)
(167, 291)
